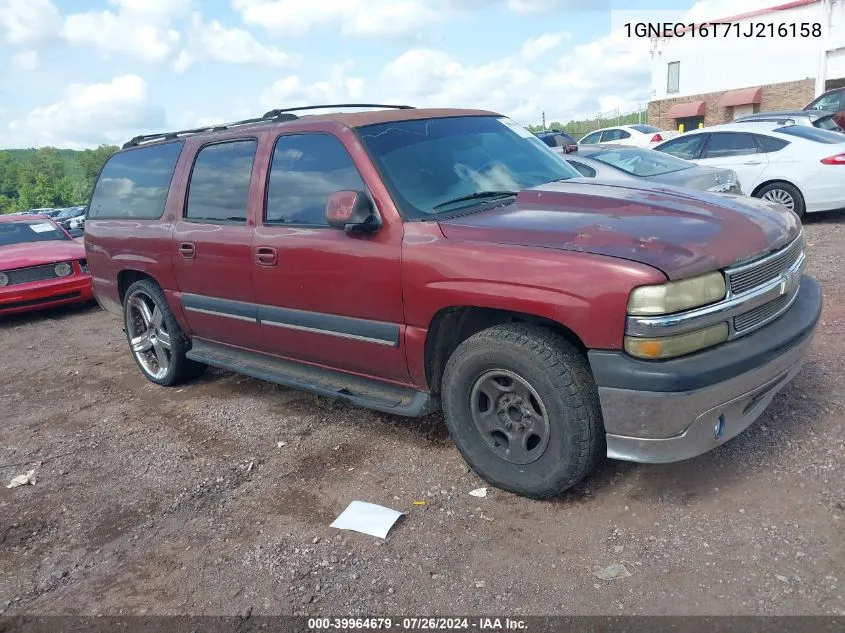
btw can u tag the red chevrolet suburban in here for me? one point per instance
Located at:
(411, 259)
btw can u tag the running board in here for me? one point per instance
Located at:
(363, 392)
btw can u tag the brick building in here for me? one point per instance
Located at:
(714, 80)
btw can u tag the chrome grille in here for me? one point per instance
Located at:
(34, 273)
(749, 276)
(755, 317)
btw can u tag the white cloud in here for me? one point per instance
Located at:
(211, 40)
(25, 60)
(28, 21)
(139, 28)
(89, 115)
(291, 91)
(539, 46)
(353, 17)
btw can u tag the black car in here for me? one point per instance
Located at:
(554, 138)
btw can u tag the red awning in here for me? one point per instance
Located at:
(684, 110)
(745, 96)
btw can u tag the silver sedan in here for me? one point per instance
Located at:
(639, 164)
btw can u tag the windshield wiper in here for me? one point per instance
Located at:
(478, 195)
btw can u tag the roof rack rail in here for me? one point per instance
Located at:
(219, 127)
(278, 115)
(274, 113)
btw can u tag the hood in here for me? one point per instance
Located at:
(37, 253)
(680, 232)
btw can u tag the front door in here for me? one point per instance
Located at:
(737, 151)
(213, 246)
(326, 296)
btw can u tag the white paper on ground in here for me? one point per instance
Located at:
(367, 518)
(22, 480)
(479, 492)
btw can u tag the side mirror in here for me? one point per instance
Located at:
(351, 211)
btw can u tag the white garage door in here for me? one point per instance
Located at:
(743, 110)
(836, 64)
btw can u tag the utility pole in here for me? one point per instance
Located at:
(544, 119)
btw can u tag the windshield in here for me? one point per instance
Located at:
(641, 162)
(29, 231)
(827, 123)
(813, 134)
(431, 163)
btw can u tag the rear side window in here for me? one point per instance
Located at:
(771, 144)
(134, 184)
(306, 170)
(686, 147)
(724, 144)
(583, 169)
(219, 188)
(813, 134)
(614, 135)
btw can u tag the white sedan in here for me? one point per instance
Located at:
(638, 135)
(800, 167)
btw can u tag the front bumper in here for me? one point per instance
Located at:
(668, 411)
(45, 294)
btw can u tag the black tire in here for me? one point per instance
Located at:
(799, 207)
(180, 368)
(560, 375)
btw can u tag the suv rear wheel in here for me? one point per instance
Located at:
(157, 342)
(522, 408)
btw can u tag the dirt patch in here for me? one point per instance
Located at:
(169, 501)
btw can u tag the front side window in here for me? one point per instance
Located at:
(591, 138)
(26, 231)
(641, 162)
(134, 184)
(306, 170)
(726, 144)
(218, 191)
(685, 147)
(673, 80)
(828, 102)
(438, 165)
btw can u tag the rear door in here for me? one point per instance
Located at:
(212, 244)
(326, 296)
(739, 151)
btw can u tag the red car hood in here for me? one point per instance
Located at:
(678, 231)
(36, 253)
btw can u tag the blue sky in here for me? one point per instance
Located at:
(78, 73)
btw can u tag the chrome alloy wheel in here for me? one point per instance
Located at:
(780, 196)
(148, 336)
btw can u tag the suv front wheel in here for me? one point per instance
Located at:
(157, 342)
(522, 408)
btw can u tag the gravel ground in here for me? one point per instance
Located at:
(181, 501)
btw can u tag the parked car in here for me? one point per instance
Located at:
(556, 139)
(646, 165)
(411, 259)
(800, 167)
(639, 135)
(65, 218)
(810, 118)
(831, 101)
(40, 265)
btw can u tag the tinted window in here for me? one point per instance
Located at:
(673, 79)
(219, 186)
(614, 135)
(306, 170)
(828, 102)
(724, 144)
(549, 140)
(813, 134)
(827, 123)
(591, 138)
(557, 140)
(134, 184)
(646, 129)
(29, 231)
(583, 169)
(771, 144)
(685, 147)
(641, 162)
(430, 163)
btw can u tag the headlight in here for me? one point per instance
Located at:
(4, 280)
(675, 296)
(672, 346)
(63, 269)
